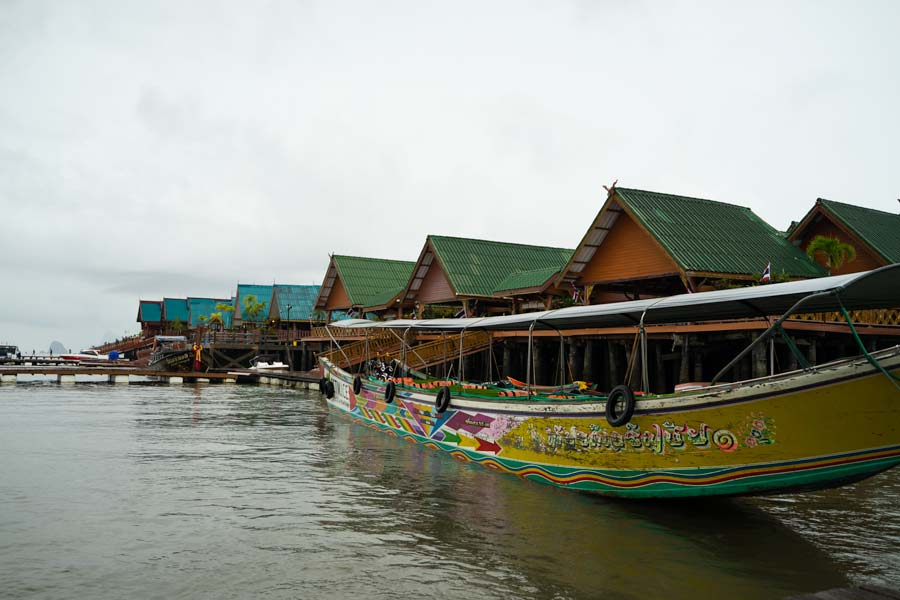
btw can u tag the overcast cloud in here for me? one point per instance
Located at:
(153, 149)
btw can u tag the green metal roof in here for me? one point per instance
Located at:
(263, 294)
(372, 281)
(879, 229)
(175, 308)
(477, 267)
(300, 298)
(149, 311)
(518, 280)
(705, 235)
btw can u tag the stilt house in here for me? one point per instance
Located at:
(460, 276)
(874, 234)
(362, 285)
(645, 244)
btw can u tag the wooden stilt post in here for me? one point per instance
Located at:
(684, 373)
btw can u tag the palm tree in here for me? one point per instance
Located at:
(252, 308)
(215, 319)
(223, 308)
(835, 251)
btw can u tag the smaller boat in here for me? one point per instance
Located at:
(174, 353)
(9, 351)
(267, 362)
(88, 355)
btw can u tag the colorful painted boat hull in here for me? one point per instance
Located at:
(808, 430)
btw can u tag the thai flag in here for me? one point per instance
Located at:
(576, 294)
(460, 313)
(351, 313)
(767, 274)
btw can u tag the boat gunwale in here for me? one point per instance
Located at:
(736, 392)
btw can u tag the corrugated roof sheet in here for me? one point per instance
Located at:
(150, 311)
(263, 294)
(175, 309)
(300, 299)
(879, 229)
(709, 236)
(477, 267)
(518, 280)
(372, 281)
(198, 307)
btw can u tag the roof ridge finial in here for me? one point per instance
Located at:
(610, 189)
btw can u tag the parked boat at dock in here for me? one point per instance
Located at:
(173, 353)
(813, 428)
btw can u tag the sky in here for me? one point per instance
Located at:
(152, 149)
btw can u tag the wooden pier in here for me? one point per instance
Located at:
(66, 373)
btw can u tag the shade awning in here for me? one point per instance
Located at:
(879, 288)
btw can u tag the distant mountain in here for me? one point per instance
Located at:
(57, 347)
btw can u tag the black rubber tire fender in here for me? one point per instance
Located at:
(357, 384)
(322, 382)
(442, 400)
(389, 391)
(618, 394)
(329, 389)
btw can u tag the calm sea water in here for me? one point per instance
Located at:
(237, 492)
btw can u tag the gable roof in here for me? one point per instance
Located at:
(204, 307)
(263, 294)
(175, 309)
(149, 311)
(878, 229)
(701, 236)
(369, 282)
(533, 280)
(300, 299)
(476, 267)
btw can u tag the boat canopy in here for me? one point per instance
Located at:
(879, 288)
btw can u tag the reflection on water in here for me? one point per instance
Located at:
(108, 491)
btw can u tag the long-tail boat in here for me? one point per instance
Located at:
(812, 428)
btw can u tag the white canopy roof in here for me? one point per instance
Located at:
(879, 288)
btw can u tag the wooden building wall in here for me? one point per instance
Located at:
(628, 252)
(435, 286)
(338, 298)
(865, 259)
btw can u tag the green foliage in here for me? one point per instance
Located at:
(178, 325)
(222, 307)
(215, 319)
(252, 308)
(835, 251)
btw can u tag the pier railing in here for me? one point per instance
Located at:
(419, 356)
(253, 337)
(885, 316)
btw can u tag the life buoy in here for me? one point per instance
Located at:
(329, 389)
(357, 384)
(442, 400)
(322, 382)
(620, 393)
(389, 390)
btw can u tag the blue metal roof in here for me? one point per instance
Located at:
(149, 311)
(293, 302)
(175, 308)
(263, 294)
(204, 307)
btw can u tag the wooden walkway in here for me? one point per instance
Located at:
(66, 373)
(116, 374)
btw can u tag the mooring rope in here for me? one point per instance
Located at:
(872, 361)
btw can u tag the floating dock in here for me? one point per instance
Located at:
(66, 373)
